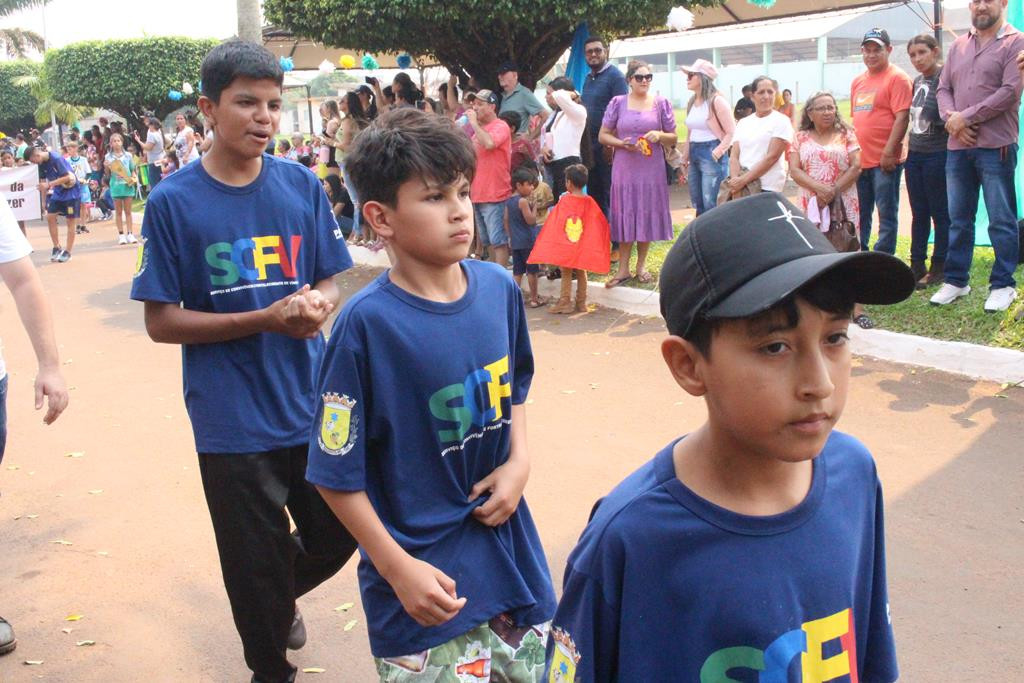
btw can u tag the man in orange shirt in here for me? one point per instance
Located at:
(492, 183)
(880, 102)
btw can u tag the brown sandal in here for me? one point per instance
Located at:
(616, 281)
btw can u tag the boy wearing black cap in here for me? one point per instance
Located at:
(751, 549)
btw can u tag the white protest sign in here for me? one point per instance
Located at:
(20, 187)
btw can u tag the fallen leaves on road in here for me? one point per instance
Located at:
(66, 630)
(85, 643)
(74, 617)
(61, 541)
(344, 607)
(313, 670)
(568, 391)
(75, 454)
(95, 492)
(33, 662)
(350, 625)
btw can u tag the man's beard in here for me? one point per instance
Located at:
(984, 21)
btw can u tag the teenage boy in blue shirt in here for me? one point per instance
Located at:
(751, 549)
(56, 173)
(237, 265)
(420, 444)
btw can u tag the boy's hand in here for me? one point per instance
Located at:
(426, 593)
(505, 484)
(299, 315)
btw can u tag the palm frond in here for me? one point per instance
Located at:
(8, 7)
(17, 42)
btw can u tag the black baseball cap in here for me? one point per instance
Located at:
(745, 256)
(877, 35)
(508, 66)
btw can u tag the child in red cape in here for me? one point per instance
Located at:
(576, 238)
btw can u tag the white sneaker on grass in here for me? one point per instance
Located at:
(121, 239)
(1000, 299)
(948, 293)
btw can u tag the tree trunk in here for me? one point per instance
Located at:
(250, 22)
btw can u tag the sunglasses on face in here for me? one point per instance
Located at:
(594, 51)
(640, 78)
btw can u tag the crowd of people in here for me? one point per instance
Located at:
(404, 435)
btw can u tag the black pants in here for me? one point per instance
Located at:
(266, 567)
(556, 169)
(600, 185)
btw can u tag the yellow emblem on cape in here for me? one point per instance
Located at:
(338, 428)
(574, 228)
(564, 659)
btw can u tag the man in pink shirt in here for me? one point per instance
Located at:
(979, 95)
(492, 184)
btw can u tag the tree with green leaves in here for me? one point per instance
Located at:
(18, 42)
(131, 77)
(47, 108)
(17, 104)
(471, 37)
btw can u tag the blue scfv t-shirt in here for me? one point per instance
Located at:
(666, 586)
(224, 249)
(416, 402)
(58, 167)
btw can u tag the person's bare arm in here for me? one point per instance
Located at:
(21, 278)
(348, 133)
(481, 135)
(506, 483)
(776, 148)
(205, 146)
(606, 137)
(300, 315)
(426, 593)
(801, 177)
(527, 208)
(894, 145)
(850, 175)
(452, 96)
(734, 161)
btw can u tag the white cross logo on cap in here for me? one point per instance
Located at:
(788, 216)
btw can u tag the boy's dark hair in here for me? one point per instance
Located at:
(512, 118)
(305, 160)
(404, 144)
(828, 293)
(523, 175)
(578, 175)
(29, 151)
(594, 39)
(235, 59)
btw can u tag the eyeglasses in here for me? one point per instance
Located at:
(639, 78)
(594, 51)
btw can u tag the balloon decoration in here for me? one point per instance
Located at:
(766, 4)
(369, 63)
(404, 61)
(325, 67)
(680, 19)
(174, 95)
(347, 61)
(186, 88)
(287, 64)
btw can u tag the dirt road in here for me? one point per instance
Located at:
(115, 482)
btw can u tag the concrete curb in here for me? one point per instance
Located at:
(972, 360)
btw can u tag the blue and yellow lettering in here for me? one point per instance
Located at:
(238, 251)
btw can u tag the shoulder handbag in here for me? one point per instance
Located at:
(725, 194)
(842, 233)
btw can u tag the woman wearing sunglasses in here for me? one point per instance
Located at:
(638, 126)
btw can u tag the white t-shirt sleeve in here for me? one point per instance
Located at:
(782, 127)
(13, 244)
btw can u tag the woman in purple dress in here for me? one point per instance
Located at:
(637, 126)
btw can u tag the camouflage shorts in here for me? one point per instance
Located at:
(495, 652)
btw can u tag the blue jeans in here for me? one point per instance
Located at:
(881, 188)
(925, 173)
(490, 223)
(356, 209)
(991, 171)
(705, 175)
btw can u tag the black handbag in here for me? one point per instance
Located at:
(842, 233)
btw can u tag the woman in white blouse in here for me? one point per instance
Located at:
(760, 142)
(563, 132)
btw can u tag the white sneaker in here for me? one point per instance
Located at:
(131, 239)
(1000, 299)
(121, 239)
(948, 293)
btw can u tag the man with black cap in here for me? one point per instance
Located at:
(880, 101)
(517, 97)
(758, 536)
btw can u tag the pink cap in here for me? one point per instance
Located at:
(702, 66)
